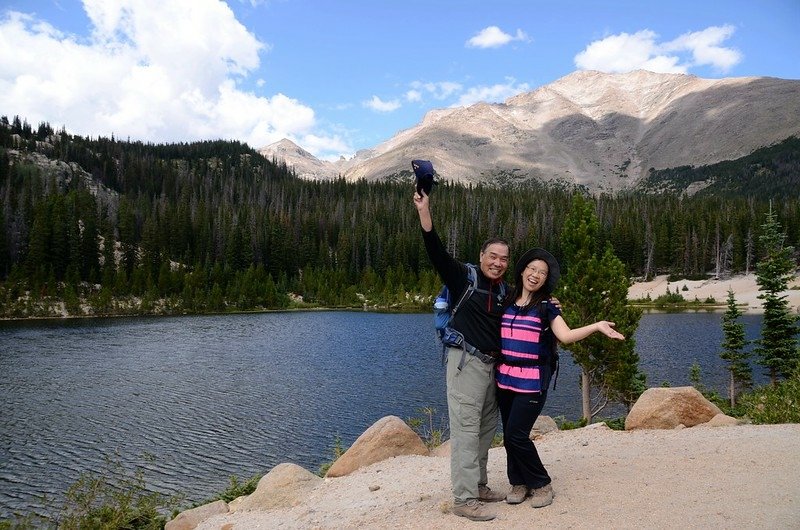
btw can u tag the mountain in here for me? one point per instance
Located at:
(304, 163)
(603, 131)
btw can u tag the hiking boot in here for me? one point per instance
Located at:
(517, 494)
(474, 510)
(541, 497)
(486, 494)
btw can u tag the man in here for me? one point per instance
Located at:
(471, 400)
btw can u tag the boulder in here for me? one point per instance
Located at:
(189, 519)
(386, 438)
(442, 450)
(235, 503)
(543, 425)
(599, 426)
(286, 485)
(722, 420)
(666, 408)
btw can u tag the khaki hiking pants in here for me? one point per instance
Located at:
(472, 407)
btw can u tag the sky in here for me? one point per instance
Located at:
(336, 76)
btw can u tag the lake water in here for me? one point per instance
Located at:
(213, 396)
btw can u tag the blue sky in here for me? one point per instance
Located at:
(338, 76)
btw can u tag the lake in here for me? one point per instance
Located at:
(194, 400)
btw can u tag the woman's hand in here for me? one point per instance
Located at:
(607, 328)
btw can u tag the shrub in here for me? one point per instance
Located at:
(617, 424)
(115, 498)
(497, 440)
(337, 451)
(566, 425)
(669, 299)
(234, 490)
(432, 435)
(779, 403)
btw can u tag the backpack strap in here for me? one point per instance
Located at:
(472, 285)
(544, 314)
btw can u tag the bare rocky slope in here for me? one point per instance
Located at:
(604, 131)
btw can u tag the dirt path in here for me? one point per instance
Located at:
(725, 477)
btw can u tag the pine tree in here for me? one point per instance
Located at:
(777, 347)
(5, 257)
(594, 288)
(733, 349)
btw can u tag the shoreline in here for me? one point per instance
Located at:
(744, 287)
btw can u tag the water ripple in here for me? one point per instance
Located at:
(211, 397)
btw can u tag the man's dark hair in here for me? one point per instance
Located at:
(492, 241)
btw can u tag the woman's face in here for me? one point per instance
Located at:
(534, 276)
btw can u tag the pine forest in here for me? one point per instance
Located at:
(103, 226)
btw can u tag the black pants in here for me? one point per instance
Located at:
(519, 412)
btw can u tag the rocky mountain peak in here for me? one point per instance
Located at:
(603, 131)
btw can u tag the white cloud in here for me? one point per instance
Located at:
(641, 50)
(377, 104)
(153, 70)
(413, 96)
(439, 90)
(626, 52)
(492, 94)
(326, 144)
(705, 47)
(494, 37)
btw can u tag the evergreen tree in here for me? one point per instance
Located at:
(733, 349)
(777, 347)
(5, 258)
(594, 287)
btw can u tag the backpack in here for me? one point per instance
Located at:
(444, 310)
(552, 340)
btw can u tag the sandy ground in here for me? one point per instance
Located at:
(725, 477)
(722, 477)
(744, 288)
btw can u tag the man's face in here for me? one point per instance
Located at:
(494, 261)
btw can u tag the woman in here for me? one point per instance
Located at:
(523, 373)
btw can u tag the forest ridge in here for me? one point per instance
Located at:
(215, 226)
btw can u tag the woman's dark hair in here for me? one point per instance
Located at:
(535, 299)
(550, 281)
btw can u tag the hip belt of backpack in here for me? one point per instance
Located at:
(455, 339)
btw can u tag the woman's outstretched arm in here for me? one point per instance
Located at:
(565, 335)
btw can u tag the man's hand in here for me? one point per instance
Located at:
(421, 201)
(555, 302)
